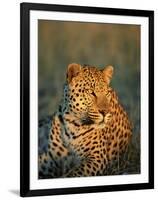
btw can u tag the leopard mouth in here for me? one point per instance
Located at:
(93, 118)
(87, 121)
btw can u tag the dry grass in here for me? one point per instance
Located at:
(129, 162)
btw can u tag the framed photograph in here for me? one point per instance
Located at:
(87, 99)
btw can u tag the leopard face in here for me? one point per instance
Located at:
(86, 93)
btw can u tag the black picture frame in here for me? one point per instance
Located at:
(25, 9)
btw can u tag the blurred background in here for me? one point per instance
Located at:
(61, 43)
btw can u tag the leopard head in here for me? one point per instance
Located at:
(86, 93)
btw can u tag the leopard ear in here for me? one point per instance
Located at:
(72, 71)
(108, 73)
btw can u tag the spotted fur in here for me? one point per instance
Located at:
(89, 129)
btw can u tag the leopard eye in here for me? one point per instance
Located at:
(93, 94)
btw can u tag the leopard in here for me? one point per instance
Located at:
(90, 128)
